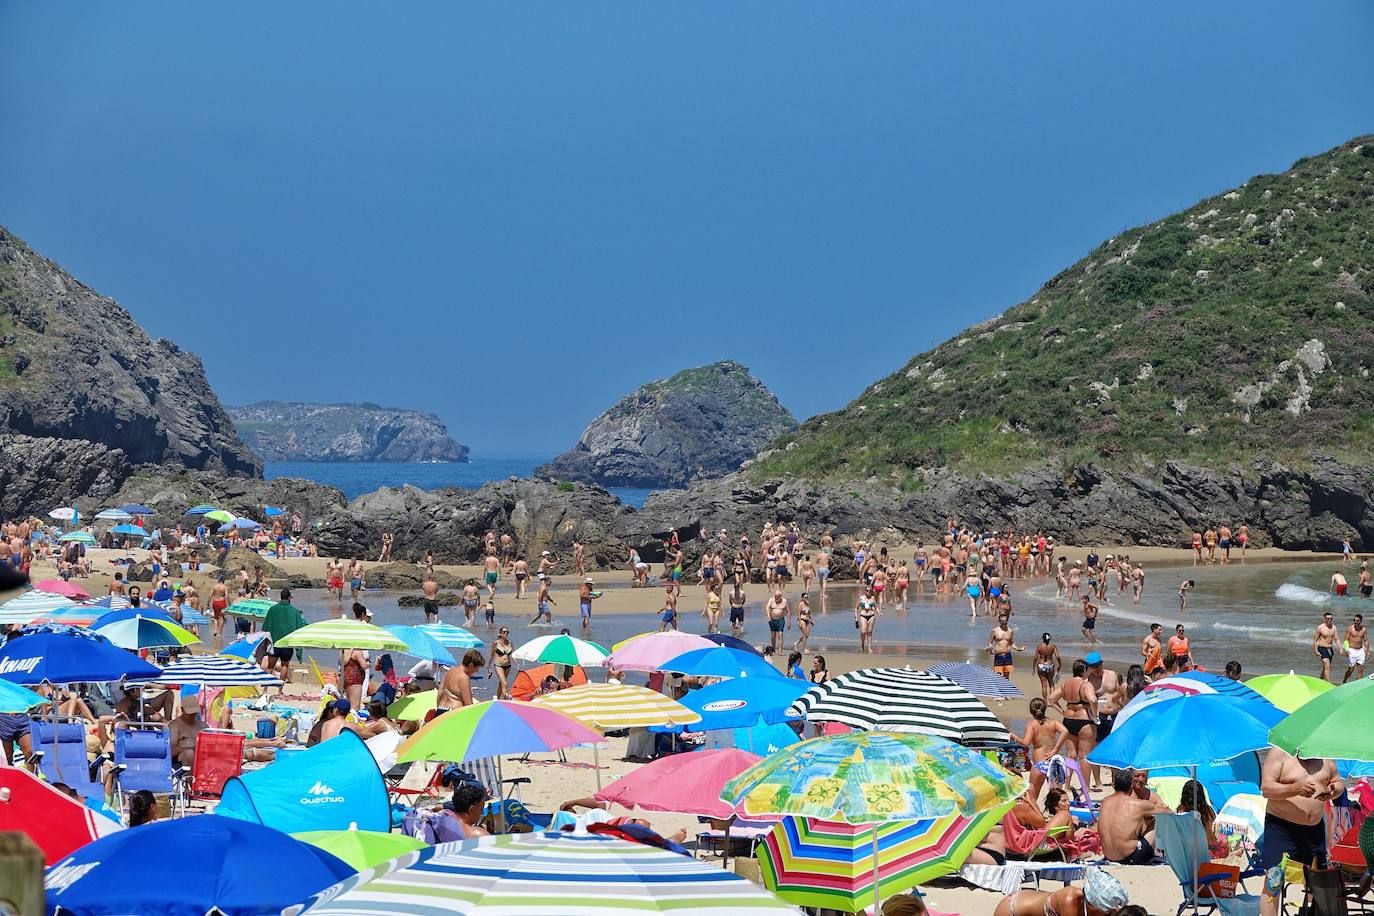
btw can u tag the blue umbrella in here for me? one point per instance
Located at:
(189, 615)
(730, 642)
(742, 702)
(721, 662)
(137, 509)
(977, 680)
(421, 644)
(244, 648)
(129, 613)
(201, 509)
(240, 868)
(113, 515)
(65, 658)
(129, 529)
(270, 511)
(1192, 730)
(246, 524)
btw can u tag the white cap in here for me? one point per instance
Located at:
(544, 554)
(588, 580)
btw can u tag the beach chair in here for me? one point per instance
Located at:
(143, 760)
(731, 837)
(219, 758)
(67, 762)
(1027, 843)
(1184, 843)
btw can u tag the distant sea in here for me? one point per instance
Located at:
(357, 477)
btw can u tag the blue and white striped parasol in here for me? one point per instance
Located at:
(977, 680)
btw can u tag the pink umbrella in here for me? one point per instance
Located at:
(67, 589)
(648, 652)
(683, 783)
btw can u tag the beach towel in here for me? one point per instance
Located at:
(1020, 839)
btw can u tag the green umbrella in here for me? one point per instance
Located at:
(562, 650)
(1289, 691)
(1334, 725)
(219, 515)
(361, 848)
(413, 708)
(250, 607)
(342, 634)
(81, 537)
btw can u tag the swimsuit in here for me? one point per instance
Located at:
(974, 591)
(668, 614)
(1302, 842)
(1001, 660)
(1326, 652)
(776, 624)
(492, 577)
(1143, 854)
(1090, 623)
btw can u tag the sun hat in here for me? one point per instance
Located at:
(1093, 658)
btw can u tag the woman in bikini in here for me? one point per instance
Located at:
(1047, 664)
(501, 650)
(804, 622)
(879, 583)
(866, 612)
(1044, 738)
(903, 585)
(1079, 709)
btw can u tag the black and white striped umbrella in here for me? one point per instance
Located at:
(902, 700)
(215, 671)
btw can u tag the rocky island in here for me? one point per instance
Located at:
(292, 431)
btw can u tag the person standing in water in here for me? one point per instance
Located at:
(866, 613)
(737, 602)
(1089, 621)
(1324, 644)
(779, 619)
(1137, 583)
(1356, 642)
(1047, 664)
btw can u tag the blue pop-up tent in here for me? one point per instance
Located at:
(327, 787)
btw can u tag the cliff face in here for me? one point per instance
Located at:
(282, 431)
(83, 387)
(700, 423)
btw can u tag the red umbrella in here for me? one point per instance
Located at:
(58, 587)
(56, 822)
(684, 783)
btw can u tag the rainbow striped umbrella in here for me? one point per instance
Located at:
(830, 864)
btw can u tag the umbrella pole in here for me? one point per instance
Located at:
(726, 858)
(596, 762)
(1192, 835)
(877, 894)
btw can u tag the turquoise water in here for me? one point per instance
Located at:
(356, 478)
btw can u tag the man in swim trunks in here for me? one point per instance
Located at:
(1123, 823)
(1001, 645)
(1089, 621)
(737, 602)
(1296, 791)
(1366, 583)
(429, 594)
(585, 595)
(219, 600)
(491, 570)
(355, 578)
(668, 616)
(1324, 644)
(1338, 585)
(1356, 645)
(779, 619)
(472, 597)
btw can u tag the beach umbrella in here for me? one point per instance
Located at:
(607, 706)
(127, 613)
(872, 777)
(742, 702)
(977, 680)
(718, 661)
(203, 509)
(219, 515)
(189, 615)
(1289, 691)
(413, 707)
(16, 699)
(649, 650)
(80, 537)
(240, 867)
(136, 509)
(1191, 730)
(63, 514)
(65, 589)
(829, 864)
(214, 671)
(451, 636)
(30, 606)
(245, 648)
(494, 728)
(244, 524)
(66, 658)
(562, 650)
(107, 603)
(420, 644)
(75, 616)
(730, 642)
(1335, 724)
(361, 849)
(129, 529)
(272, 511)
(139, 632)
(570, 874)
(682, 783)
(57, 823)
(113, 515)
(250, 607)
(1201, 683)
(1242, 817)
(342, 634)
(902, 700)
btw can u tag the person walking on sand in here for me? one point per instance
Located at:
(1210, 537)
(1089, 629)
(1324, 644)
(1356, 645)
(866, 613)
(804, 622)
(1047, 664)
(668, 616)
(779, 619)
(1044, 737)
(1347, 552)
(1197, 547)
(1224, 542)
(1079, 709)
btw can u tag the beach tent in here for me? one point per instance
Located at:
(326, 787)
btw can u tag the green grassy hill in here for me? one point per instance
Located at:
(1242, 325)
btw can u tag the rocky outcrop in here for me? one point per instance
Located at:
(74, 365)
(170, 494)
(41, 473)
(699, 424)
(290, 431)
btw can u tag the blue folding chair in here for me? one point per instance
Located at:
(60, 750)
(143, 760)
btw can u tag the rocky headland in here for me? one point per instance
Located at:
(293, 431)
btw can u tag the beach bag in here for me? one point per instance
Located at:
(1225, 887)
(267, 728)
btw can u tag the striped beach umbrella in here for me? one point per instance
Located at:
(139, 632)
(342, 634)
(420, 644)
(565, 873)
(81, 537)
(250, 607)
(977, 680)
(902, 700)
(202, 509)
(189, 615)
(494, 728)
(648, 651)
(830, 864)
(619, 706)
(113, 515)
(1201, 683)
(451, 636)
(562, 650)
(214, 671)
(32, 605)
(681, 783)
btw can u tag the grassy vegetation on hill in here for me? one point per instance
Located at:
(1241, 326)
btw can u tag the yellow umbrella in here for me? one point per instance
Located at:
(606, 706)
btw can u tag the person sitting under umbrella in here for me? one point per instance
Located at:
(187, 726)
(1124, 822)
(134, 707)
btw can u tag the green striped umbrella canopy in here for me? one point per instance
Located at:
(565, 873)
(250, 607)
(830, 864)
(562, 650)
(81, 537)
(342, 634)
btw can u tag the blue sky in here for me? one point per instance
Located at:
(513, 213)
